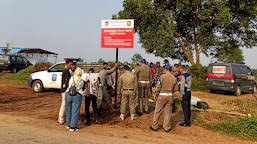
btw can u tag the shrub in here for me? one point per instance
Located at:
(24, 74)
(199, 84)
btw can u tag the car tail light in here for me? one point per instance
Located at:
(232, 80)
(9, 63)
(207, 79)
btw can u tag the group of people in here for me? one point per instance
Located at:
(132, 85)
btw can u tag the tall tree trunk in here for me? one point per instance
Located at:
(187, 51)
(197, 50)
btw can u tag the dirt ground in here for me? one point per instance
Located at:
(28, 117)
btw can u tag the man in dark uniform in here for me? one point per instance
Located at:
(185, 94)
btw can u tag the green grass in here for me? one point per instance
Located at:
(244, 128)
(22, 75)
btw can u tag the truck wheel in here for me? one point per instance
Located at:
(38, 86)
(14, 70)
(254, 89)
(212, 91)
(238, 91)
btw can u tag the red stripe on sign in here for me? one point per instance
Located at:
(228, 76)
(117, 38)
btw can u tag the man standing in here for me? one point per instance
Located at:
(103, 78)
(185, 94)
(166, 87)
(65, 83)
(152, 68)
(73, 68)
(145, 78)
(93, 84)
(158, 72)
(127, 88)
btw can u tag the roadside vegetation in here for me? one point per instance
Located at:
(23, 75)
(242, 127)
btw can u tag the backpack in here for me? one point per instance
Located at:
(202, 105)
(73, 89)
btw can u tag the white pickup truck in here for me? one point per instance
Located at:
(49, 79)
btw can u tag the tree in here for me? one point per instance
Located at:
(80, 59)
(180, 29)
(136, 58)
(231, 55)
(101, 61)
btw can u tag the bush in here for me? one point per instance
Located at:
(199, 84)
(23, 75)
(199, 77)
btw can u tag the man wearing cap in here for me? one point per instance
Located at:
(127, 89)
(103, 78)
(185, 94)
(165, 89)
(144, 81)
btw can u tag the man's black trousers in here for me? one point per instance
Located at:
(186, 106)
(87, 105)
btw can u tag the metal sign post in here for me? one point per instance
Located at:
(116, 78)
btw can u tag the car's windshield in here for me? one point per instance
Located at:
(4, 57)
(57, 68)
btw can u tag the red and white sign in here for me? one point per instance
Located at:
(250, 78)
(219, 69)
(117, 34)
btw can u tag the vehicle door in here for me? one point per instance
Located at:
(250, 79)
(19, 63)
(25, 62)
(54, 76)
(244, 81)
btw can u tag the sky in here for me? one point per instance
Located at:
(71, 28)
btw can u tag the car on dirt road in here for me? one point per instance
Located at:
(49, 79)
(230, 77)
(13, 63)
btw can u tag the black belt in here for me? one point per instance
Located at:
(128, 89)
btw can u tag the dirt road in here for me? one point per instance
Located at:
(27, 130)
(28, 117)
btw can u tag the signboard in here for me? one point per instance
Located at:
(117, 34)
(219, 69)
